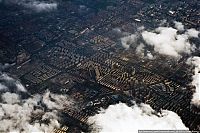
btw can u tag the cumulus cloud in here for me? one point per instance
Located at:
(149, 55)
(128, 41)
(179, 26)
(10, 98)
(8, 82)
(37, 113)
(140, 48)
(196, 79)
(16, 113)
(34, 4)
(165, 40)
(121, 118)
(17, 116)
(41, 6)
(59, 102)
(192, 32)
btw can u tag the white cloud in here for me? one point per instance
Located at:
(20, 87)
(128, 41)
(179, 26)
(16, 113)
(164, 40)
(196, 79)
(8, 82)
(34, 4)
(121, 118)
(141, 28)
(192, 33)
(149, 55)
(10, 98)
(58, 101)
(167, 41)
(140, 48)
(41, 6)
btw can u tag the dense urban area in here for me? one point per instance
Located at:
(76, 50)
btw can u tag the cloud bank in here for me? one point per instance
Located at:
(121, 118)
(195, 61)
(35, 5)
(38, 113)
(41, 6)
(164, 40)
(167, 41)
(9, 84)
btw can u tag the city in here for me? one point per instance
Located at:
(75, 50)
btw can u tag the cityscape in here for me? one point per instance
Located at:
(88, 51)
